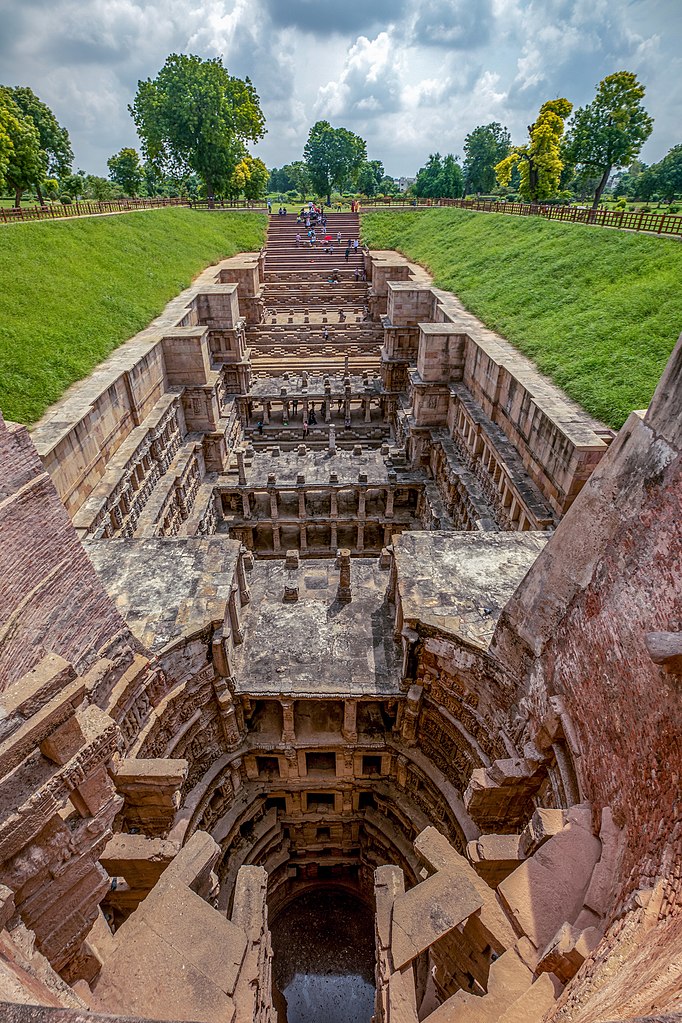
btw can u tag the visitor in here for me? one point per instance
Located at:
(325, 333)
(294, 405)
(298, 240)
(347, 252)
(259, 424)
(269, 206)
(305, 428)
(356, 246)
(338, 237)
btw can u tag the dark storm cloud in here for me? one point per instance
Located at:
(456, 24)
(338, 16)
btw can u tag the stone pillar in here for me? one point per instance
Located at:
(410, 719)
(390, 494)
(334, 504)
(343, 592)
(362, 494)
(332, 433)
(266, 413)
(350, 726)
(368, 410)
(334, 537)
(228, 714)
(240, 467)
(288, 730)
(246, 506)
(304, 537)
(301, 504)
(361, 537)
(236, 774)
(244, 591)
(235, 625)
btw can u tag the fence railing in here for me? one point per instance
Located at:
(642, 220)
(57, 210)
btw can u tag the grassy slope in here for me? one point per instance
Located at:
(72, 291)
(598, 311)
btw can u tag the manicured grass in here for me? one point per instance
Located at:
(599, 311)
(72, 291)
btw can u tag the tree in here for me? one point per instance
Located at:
(249, 177)
(53, 138)
(194, 116)
(332, 155)
(610, 131)
(540, 160)
(440, 178)
(24, 163)
(292, 177)
(484, 148)
(370, 176)
(125, 170)
(669, 173)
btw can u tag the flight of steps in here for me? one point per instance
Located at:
(301, 302)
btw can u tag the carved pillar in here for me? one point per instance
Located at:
(244, 591)
(408, 729)
(390, 494)
(343, 592)
(368, 410)
(361, 537)
(288, 729)
(246, 506)
(362, 496)
(235, 625)
(236, 774)
(240, 466)
(228, 714)
(350, 727)
(266, 413)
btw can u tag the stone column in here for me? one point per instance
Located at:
(343, 592)
(266, 413)
(408, 729)
(350, 727)
(236, 774)
(246, 506)
(362, 494)
(288, 730)
(361, 537)
(235, 625)
(368, 410)
(240, 467)
(333, 541)
(332, 434)
(333, 504)
(390, 494)
(244, 591)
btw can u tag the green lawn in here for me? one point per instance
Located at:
(72, 291)
(597, 310)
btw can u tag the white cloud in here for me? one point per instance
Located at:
(409, 77)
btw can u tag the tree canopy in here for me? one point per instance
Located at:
(333, 156)
(32, 142)
(194, 116)
(125, 170)
(610, 131)
(250, 178)
(539, 161)
(484, 148)
(440, 178)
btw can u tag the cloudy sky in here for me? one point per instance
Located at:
(409, 76)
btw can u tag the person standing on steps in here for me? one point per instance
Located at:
(347, 252)
(305, 428)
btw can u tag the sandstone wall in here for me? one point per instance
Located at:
(51, 600)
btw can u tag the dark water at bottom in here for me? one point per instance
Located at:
(324, 958)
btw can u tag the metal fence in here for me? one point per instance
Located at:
(642, 220)
(86, 208)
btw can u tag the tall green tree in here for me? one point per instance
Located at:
(670, 173)
(125, 170)
(53, 138)
(610, 131)
(333, 156)
(194, 116)
(370, 176)
(540, 161)
(484, 148)
(23, 160)
(440, 178)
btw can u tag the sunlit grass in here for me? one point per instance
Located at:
(72, 291)
(597, 310)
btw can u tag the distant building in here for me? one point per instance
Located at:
(404, 183)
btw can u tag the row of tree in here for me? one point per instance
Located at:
(194, 121)
(558, 158)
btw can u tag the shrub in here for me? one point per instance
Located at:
(66, 200)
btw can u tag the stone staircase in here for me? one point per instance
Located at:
(301, 302)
